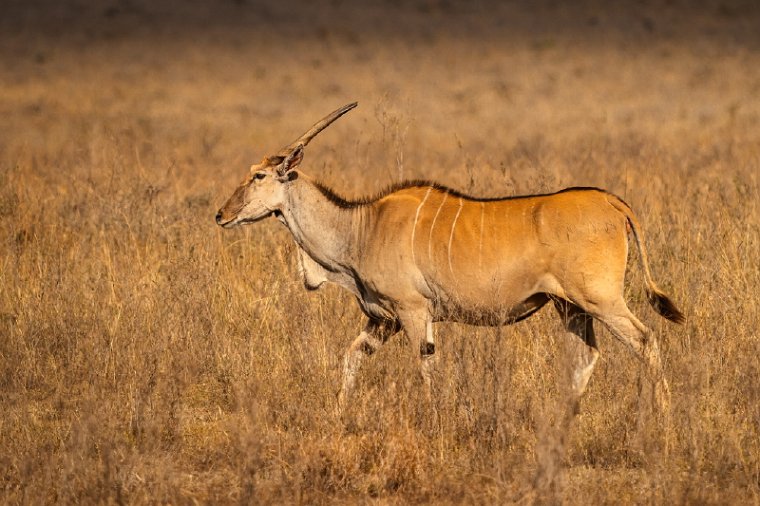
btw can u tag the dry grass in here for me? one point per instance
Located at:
(147, 356)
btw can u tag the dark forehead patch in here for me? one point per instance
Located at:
(272, 161)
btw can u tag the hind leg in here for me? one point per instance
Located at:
(628, 329)
(581, 344)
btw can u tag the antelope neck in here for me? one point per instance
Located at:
(330, 234)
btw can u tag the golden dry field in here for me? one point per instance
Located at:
(149, 356)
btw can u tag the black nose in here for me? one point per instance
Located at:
(219, 217)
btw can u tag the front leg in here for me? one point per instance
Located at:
(375, 334)
(419, 328)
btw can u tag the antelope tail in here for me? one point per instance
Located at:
(657, 298)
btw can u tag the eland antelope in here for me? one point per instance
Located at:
(420, 253)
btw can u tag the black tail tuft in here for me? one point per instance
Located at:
(663, 305)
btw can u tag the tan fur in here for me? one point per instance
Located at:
(424, 253)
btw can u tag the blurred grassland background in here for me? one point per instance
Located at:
(148, 356)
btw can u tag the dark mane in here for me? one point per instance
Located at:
(421, 183)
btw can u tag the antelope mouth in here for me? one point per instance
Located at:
(246, 221)
(234, 222)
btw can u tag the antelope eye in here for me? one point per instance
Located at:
(259, 175)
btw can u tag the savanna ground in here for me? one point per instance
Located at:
(148, 356)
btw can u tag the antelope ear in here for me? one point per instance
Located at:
(291, 160)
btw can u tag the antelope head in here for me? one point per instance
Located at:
(263, 191)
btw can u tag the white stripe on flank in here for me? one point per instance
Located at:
(430, 236)
(451, 235)
(416, 218)
(480, 247)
